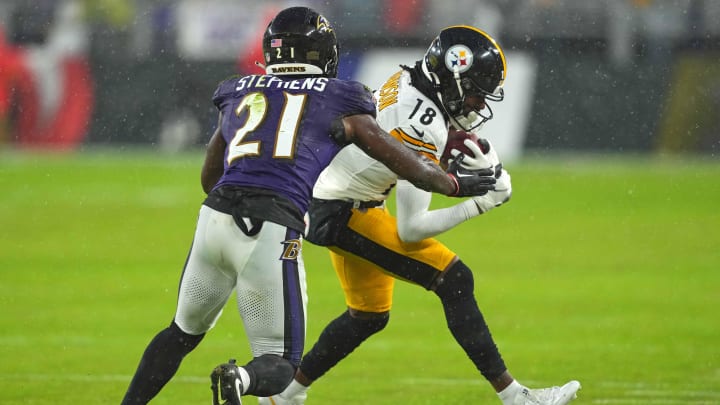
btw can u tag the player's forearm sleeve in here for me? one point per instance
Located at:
(416, 222)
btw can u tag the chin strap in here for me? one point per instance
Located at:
(468, 123)
(456, 76)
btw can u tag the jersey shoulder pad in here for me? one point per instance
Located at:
(355, 97)
(225, 88)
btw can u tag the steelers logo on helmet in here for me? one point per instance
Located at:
(463, 62)
(458, 56)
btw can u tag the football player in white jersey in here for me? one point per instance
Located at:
(462, 69)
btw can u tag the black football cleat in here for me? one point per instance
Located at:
(226, 377)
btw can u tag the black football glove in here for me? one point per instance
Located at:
(470, 183)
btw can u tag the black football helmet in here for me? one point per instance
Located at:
(465, 61)
(300, 41)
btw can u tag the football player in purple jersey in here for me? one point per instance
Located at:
(276, 133)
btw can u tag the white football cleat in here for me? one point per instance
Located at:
(279, 400)
(298, 399)
(548, 396)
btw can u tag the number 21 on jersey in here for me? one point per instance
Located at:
(256, 105)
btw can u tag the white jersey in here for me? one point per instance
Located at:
(409, 116)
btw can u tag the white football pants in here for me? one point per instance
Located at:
(267, 272)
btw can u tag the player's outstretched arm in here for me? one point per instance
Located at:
(363, 130)
(417, 222)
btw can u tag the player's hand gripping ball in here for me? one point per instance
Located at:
(478, 152)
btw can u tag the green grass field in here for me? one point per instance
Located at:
(605, 271)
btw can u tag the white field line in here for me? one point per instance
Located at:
(656, 401)
(633, 393)
(93, 378)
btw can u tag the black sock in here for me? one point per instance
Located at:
(467, 323)
(468, 326)
(338, 340)
(159, 363)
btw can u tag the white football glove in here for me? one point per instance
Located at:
(480, 160)
(497, 197)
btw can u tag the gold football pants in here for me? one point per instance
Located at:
(368, 255)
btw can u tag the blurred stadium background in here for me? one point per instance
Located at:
(584, 76)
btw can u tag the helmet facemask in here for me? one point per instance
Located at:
(462, 116)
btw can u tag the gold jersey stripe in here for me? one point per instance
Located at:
(405, 137)
(426, 149)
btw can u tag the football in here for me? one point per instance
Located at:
(456, 139)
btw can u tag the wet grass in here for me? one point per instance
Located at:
(601, 269)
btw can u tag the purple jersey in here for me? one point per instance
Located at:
(277, 130)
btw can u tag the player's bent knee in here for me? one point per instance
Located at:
(192, 326)
(456, 283)
(370, 322)
(188, 339)
(269, 375)
(366, 315)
